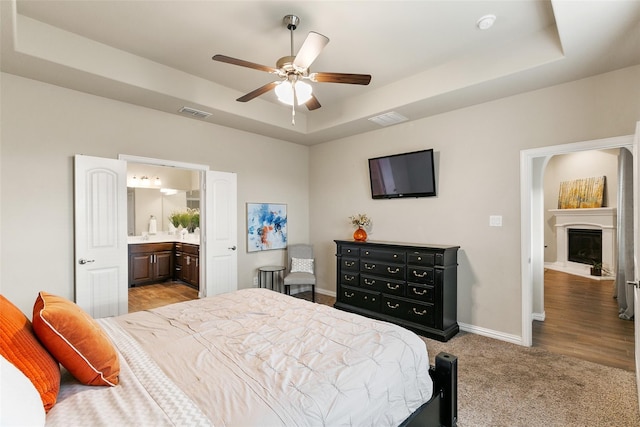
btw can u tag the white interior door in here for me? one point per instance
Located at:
(221, 234)
(636, 250)
(101, 235)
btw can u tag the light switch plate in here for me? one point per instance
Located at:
(495, 220)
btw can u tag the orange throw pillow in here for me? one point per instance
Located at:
(76, 340)
(19, 345)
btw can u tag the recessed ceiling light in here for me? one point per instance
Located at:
(486, 22)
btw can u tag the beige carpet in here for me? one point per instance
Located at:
(503, 384)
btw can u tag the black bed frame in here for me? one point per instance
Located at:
(442, 408)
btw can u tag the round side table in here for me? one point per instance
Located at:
(270, 277)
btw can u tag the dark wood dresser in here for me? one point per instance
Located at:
(411, 285)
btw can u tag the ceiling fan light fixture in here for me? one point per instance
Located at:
(284, 92)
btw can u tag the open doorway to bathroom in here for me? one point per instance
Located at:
(163, 205)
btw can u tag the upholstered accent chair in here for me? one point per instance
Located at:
(300, 269)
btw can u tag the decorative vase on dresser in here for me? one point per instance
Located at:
(412, 285)
(360, 235)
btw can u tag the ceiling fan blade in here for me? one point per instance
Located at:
(356, 79)
(260, 91)
(242, 63)
(313, 104)
(310, 50)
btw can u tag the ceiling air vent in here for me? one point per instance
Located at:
(193, 112)
(387, 119)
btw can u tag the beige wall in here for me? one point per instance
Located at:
(43, 126)
(478, 175)
(477, 166)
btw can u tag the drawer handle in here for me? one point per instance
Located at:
(348, 278)
(366, 253)
(369, 282)
(419, 258)
(349, 296)
(369, 267)
(415, 291)
(393, 288)
(392, 306)
(415, 273)
(349, 264)
(397, 270)
(420, 313)
(395, 255)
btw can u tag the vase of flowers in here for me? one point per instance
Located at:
(360, 221)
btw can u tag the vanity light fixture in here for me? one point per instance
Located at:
(134, 181)
(146, 181)
(157, 181)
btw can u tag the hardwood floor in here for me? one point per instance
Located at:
(581, 317)
(160, 294)
(581, 320)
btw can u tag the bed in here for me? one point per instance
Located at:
(258, 357)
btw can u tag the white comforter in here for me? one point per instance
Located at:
(257, 358)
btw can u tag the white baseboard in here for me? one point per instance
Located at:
(514, 339)
(538, 316)
(318, 291)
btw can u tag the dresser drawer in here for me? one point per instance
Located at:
(426, 293)
(388, 286)
(349, 264)
(424, 276)
(383, 255)
(425, 259)
(349, 278)
(360, 298)
(354, 251)
(423, 314)
(392, 271)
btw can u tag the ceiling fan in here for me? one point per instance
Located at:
(294, 69)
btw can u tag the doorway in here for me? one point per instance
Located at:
(218, 268)
(100, 207)
(163, 207)
(532, 165)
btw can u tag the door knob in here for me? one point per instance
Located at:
(635, 284)
(233, 248)
(83, 261)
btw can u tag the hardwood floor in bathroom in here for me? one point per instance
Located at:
(157, 295)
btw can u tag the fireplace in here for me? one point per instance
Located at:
(583, 237)
(585, 246)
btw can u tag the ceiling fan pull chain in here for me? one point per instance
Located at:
(293, 104)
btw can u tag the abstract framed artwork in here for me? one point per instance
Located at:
(582, 193)
(266, 226)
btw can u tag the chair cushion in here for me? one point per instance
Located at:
(20, 346)
(301, 265)
(300, 279)
(76, 340)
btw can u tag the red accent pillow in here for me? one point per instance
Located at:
(76, 340)
(19, 345)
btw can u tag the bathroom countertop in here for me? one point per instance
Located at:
(164, 237)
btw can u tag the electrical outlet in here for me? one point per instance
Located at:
(495, 220)
(255, 282)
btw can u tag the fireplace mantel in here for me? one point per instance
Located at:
(588, 218)
(598, 217)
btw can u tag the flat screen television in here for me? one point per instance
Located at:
(403, 175)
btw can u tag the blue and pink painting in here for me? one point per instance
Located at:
(266, 226)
